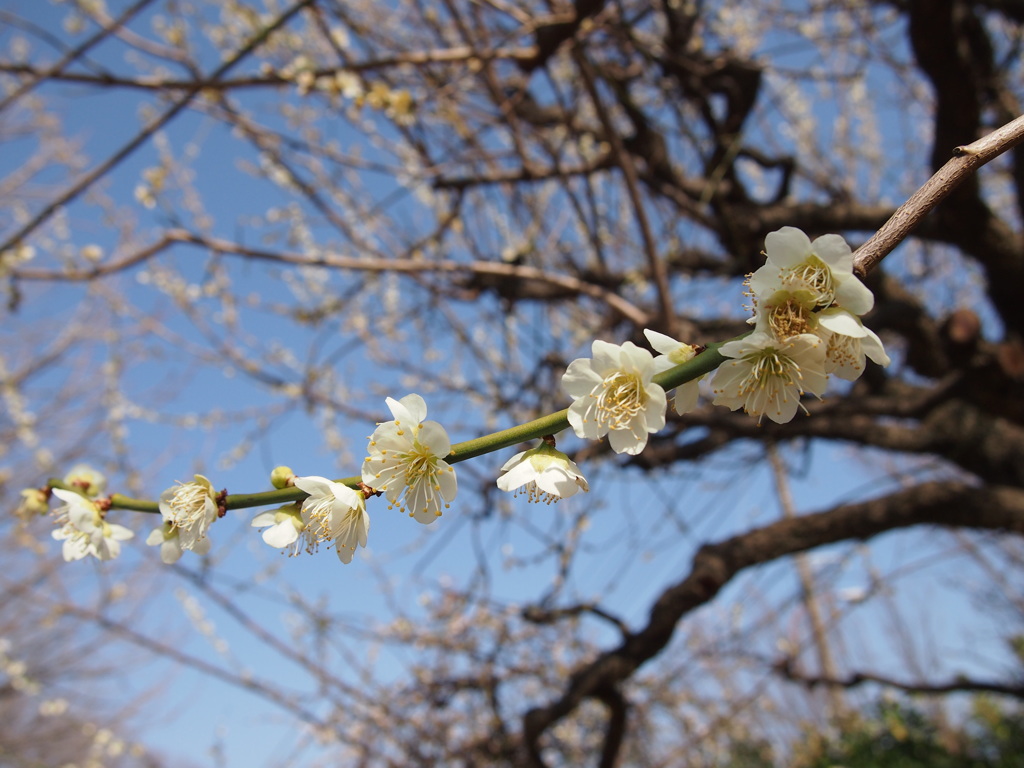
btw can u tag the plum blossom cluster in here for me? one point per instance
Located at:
(807, 308)
(807, 326)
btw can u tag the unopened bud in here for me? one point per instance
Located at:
(281, 477)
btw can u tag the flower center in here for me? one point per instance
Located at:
(816, 276)
(622, 397)
(789, 319)
(768, 370)
(188, 506)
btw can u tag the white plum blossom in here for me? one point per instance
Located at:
(190, 508)
(168, 539)
(766, 376)
(34, 502)
(283, 527)
(613, 395)
(406, 461)
(672, 353)
(89, 481)
(824, 267)
(543, 474)
(83, 530)
(848, 341)
(332, 512)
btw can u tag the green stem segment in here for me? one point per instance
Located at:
(705, 362)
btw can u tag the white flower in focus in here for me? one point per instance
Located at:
(613, 395)
(190, 508)
(166, 537)
(333, 512)
(673, 353)
(767, 376)
(543, 474)
(406, 461)
(83, 530)
(286, 526)
(848, 341)
(824, 267)
(89, 481)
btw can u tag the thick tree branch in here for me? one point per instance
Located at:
(714, 565)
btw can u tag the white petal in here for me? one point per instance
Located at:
(686, 396)
(448, 482)
(605, 357)
(518, 458)
(580, 378)
(282, 535)
(264, 519)
(666, 345)
(787, 247)
(834, 251)
(156, 536)
(623, 441)
(517, 476)
(842, 322)
(314, 485)
(410, 410)
(171, 551)
(433, 436)
(853, 295)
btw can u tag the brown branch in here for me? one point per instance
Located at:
(56, 71)
(959, 684)
(965, 161)
(458, 54)
(625, 162)
(714, 565)
(566, 283)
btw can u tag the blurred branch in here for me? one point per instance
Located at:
(714, 565)
(959, 684)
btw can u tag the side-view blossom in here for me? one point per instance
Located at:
(168, 539)
(332, 512)
(613, 395)
(83, 530)
(823, 267)
(406, 461)
(283, 527)
(848, 341)
(543, 473)
(672, 353)
(190, 508)
(88, 480)
(766, 376)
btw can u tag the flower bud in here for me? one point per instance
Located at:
(281, 477)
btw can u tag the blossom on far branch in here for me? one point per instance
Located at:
(672, 353)
(83, 530)
(35, 502)
(406, 461)
(543, 473)
(613, 394)
(89, 481)
(188, 510)
(766, 376)
(333, 512)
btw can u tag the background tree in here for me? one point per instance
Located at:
(229, 230)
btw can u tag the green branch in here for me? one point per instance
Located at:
(552, 424)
